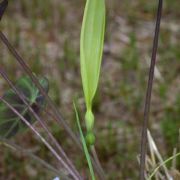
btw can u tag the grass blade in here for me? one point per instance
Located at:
(162, 164)
(84, 145)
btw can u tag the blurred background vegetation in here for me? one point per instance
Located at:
(46, 33)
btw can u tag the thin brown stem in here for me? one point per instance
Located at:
(96, 159)
(148, 93)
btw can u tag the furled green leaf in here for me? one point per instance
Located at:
(91, 48)
(10, 123)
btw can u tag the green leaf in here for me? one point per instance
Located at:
(10, 123)
(91, 47)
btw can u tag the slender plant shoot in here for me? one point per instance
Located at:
(91, 48)
(84, 145)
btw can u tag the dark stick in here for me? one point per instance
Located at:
(149, 92)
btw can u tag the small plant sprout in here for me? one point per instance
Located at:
(91, 48)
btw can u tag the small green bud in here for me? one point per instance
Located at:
(90, 138)
(89, 119)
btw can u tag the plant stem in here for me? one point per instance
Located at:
(96, 159)
(149, 92)
(97, 165)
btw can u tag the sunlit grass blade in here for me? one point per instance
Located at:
(88, 158)
(156, 153)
